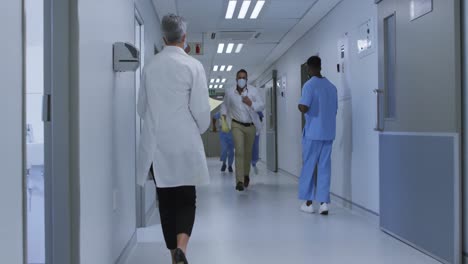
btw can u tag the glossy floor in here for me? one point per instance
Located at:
(264, 225)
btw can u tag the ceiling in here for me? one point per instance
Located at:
(280, 24)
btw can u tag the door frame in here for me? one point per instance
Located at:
(139, 190)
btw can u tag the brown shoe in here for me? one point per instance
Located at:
(179, 257)
(246, 181)
(240, 187)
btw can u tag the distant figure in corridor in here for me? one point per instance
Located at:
(240, 107)
(319, 103)
(227, 144)
(173, 103)
(256, 147)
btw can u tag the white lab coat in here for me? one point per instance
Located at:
(173, 103)
(257, 106)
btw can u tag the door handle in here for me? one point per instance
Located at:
(46, 108)
(378, 126)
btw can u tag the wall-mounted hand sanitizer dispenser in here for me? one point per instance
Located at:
(126, 57)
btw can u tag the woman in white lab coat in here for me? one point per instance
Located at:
(173, 103)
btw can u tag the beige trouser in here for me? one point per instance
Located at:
(244, 138)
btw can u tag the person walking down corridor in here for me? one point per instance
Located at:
(173, 103)
(319, 103)
(256, 146)
(227, 144)
(240, 107)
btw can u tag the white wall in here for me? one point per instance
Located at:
(106, 128)
(11, 133)
(355, 157)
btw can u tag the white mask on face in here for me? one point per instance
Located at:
(241, 83)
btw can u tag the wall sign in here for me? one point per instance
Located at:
(419, 8)
(195, 48)
(365, 39)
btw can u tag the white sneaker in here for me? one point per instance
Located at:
(307, 209)
(323, 209)
(255, 170)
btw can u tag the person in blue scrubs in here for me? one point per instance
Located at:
(227, 144)
(255, 150)
(319, 103)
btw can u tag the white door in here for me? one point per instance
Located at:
(271, 124)
(420, 125)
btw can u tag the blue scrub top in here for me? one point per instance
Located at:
(320, 95)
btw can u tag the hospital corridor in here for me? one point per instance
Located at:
(233, 131)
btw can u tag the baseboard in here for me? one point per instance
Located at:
(357, 209)
(413, 245)
(150, 213)
(127, 250)
(288, 174)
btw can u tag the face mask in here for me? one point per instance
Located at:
(241, 83)
(185, 45)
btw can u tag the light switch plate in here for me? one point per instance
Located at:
(115, 196)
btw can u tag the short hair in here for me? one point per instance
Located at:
(242, 70)
(173, 27)
(314, 62)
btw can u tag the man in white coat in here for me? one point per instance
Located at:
(240, 107)
(173, 103)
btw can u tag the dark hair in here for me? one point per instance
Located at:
(242, 70)
(315, 62)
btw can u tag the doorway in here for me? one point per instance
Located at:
(34, 97)
(145, 196)
(271, 123)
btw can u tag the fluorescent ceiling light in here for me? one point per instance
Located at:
(229, 68)
(231, 9)
(223, 67)
(239, 47)
(218, 80)
(244, 9)
(220, 47)
(221, 86)
(257, 9)
(223, 80)
(211, 86)
(212, 80)
(230, 47)
(216, 86)
(215, 68)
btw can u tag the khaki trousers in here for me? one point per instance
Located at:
(244, 138)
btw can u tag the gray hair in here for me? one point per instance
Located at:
(174, 28)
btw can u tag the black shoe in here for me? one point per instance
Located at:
(179, 257)
(230, 169)
(246, 181)
(223, 168)
(240, 187)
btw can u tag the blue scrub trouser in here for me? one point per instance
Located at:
(315, 186)
(227, 148)
(255, 154)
